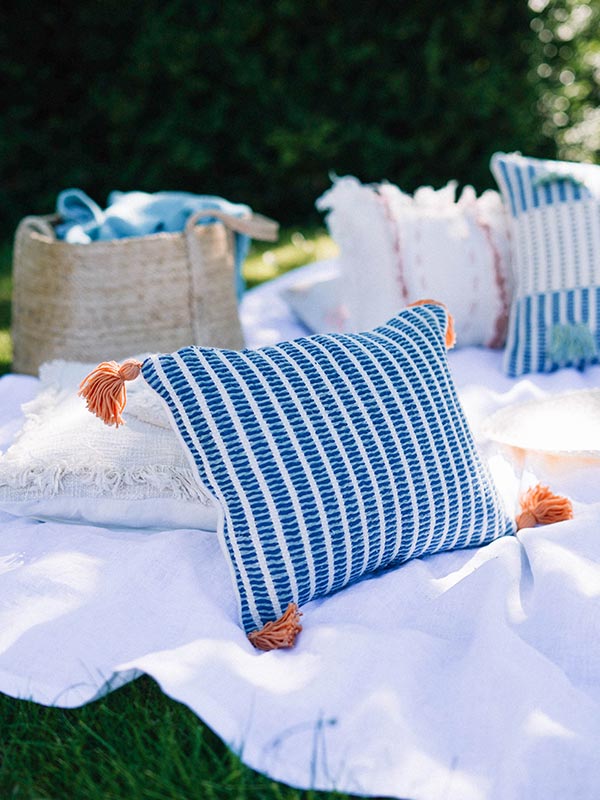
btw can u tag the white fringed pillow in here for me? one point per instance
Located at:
(316, 302)
(67, 465)
(396, 248)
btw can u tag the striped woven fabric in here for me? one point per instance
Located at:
(331, 456)
(555, 223)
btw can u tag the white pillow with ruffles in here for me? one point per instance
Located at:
(66, 465)
(396, 248)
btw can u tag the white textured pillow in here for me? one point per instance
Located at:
(396, 248)
(317, 303)
(66, 464)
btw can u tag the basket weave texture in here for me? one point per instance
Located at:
(113, 299)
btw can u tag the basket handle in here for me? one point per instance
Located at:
(256, 226)
(41, 225)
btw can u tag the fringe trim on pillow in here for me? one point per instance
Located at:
(58, 478)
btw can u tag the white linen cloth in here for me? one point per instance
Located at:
(470, 675)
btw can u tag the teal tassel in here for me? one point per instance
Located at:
(572, 345)
(556, 177)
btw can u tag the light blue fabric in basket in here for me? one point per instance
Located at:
(331, 456)
(141, 214)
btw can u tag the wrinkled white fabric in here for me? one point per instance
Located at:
(472, 675)
(66, 465)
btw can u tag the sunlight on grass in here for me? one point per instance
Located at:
(5, 351)
(293, 249)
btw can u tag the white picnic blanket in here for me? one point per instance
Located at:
(471, 675)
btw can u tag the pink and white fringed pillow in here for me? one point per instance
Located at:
(396, 247)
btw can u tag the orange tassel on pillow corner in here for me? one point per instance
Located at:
(540, 506)
(104, 389)
(450, 330)
(280, 633)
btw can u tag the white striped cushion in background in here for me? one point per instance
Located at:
(332, 456)
(555, 224)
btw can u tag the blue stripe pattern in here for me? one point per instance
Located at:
(534, 182)
(331, 456)
(555, 252)
(533, 353)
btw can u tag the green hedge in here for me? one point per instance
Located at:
(258, 101)
(565, 67)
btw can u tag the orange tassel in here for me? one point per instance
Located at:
(104, 389)
(278, 634)
(450, 331)
(539, 506)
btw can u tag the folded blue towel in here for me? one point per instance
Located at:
(140, 214)
(81, 216)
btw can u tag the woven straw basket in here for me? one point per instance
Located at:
(113, 299)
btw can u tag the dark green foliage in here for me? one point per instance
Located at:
(565, 49)
(257, 101)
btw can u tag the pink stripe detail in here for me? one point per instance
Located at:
(396, 246)
(501, 321)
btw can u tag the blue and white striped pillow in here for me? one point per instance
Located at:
(555, 223)
(332, 456)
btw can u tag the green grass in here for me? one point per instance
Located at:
(294, 248)
(136, 743)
